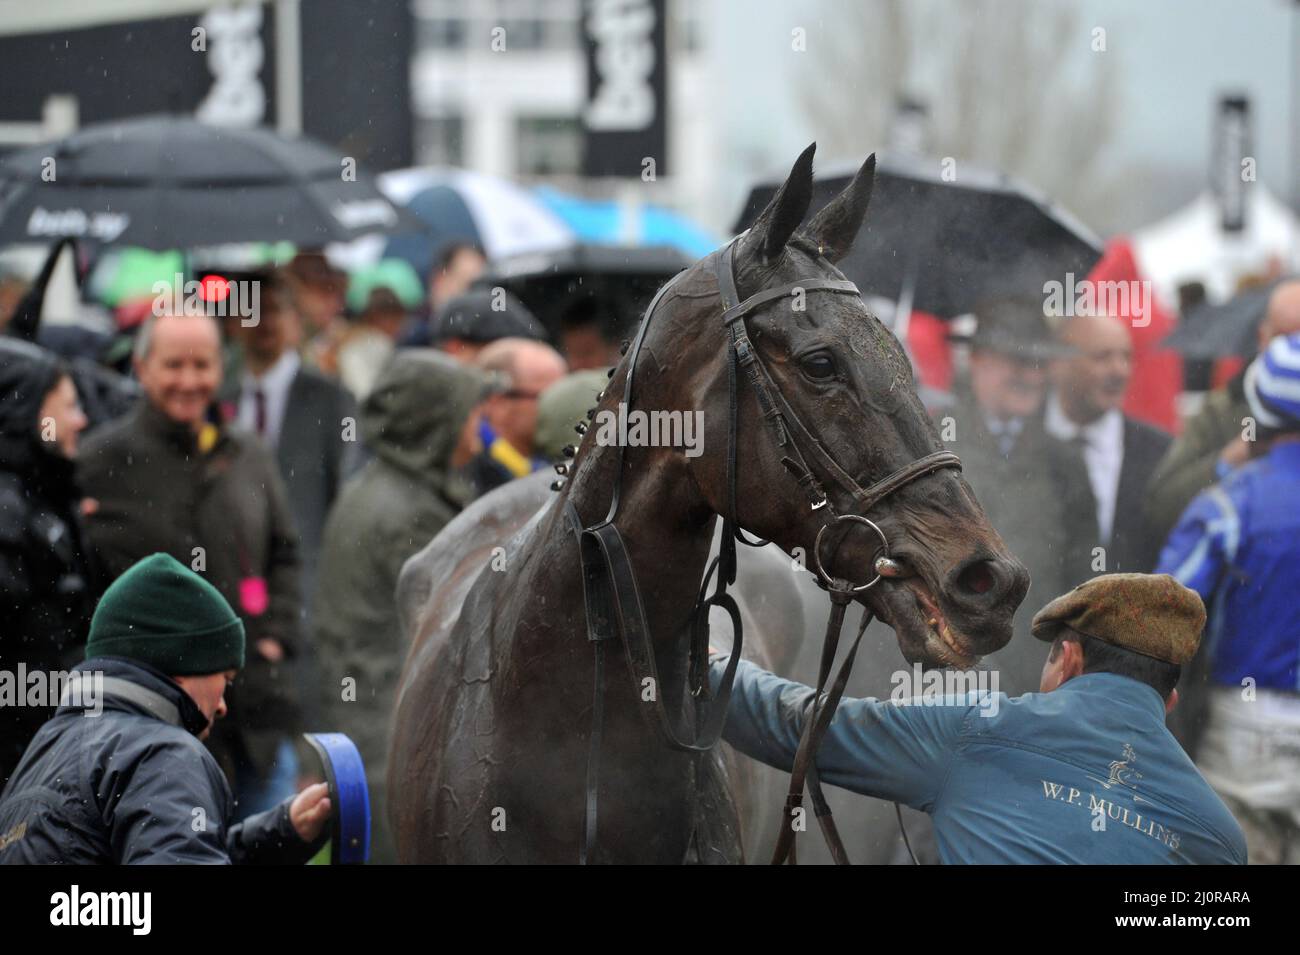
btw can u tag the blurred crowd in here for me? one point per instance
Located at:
(297, 462)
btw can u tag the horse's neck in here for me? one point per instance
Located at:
(666, 526)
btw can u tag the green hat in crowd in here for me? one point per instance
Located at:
(563, 405)
(162, 613)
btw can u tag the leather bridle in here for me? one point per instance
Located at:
(613, 601)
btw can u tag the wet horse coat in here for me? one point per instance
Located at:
(492, 725)
(771, 608)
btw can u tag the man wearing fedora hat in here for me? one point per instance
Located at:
(1033, 487)
(1083, 771)
(118, 774)
(1238, 545)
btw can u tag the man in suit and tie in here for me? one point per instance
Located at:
(307, 419)
(1119, 452)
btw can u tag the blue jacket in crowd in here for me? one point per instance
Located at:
(1085, 774)
(1238, 546)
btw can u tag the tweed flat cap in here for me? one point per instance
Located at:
(1151, 614)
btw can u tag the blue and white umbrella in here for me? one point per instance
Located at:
(609, 222)
(504, 219)
(508, 220)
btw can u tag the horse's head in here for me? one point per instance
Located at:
(849, 383)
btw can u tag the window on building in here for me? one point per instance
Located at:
(440, 141)
(539, 24)
(523, 34)
(440, 24)
(441, 34)
(466, 24)
(560, 30)
(549, 146)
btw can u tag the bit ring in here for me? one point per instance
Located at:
(817, 550)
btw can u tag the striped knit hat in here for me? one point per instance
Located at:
(1273, 384)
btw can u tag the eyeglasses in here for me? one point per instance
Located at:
(516, 394)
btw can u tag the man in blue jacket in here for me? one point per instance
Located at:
(1238, 546)
(1083, 771)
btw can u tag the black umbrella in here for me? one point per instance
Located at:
(166, 182)
(951, 245)
(480, 315)
(1230, 328)
(104, 394)
(615, 283)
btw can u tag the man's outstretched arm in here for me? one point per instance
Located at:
(882, 749)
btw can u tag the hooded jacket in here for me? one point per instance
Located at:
(47, 584)
(399, 501)
(131, 783)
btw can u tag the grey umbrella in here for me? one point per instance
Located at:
(166, 182)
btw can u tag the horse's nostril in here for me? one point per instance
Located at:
(978, 578)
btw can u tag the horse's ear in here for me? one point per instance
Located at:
(835, 227)
(774, 226)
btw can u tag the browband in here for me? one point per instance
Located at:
(790, 431)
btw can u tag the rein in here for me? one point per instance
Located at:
(613, 601)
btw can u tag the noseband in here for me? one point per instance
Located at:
(613, 601)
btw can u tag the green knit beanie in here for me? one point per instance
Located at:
(162, 613)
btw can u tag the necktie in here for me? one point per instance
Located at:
(1006, 431)
(259, 411)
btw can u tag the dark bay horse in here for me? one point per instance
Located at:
(490, 735)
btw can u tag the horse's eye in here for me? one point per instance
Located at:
(819, 365)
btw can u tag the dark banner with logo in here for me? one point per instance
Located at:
(625, 117)
(219, 65)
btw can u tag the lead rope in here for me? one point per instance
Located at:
(821, 712)
(898, 811)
